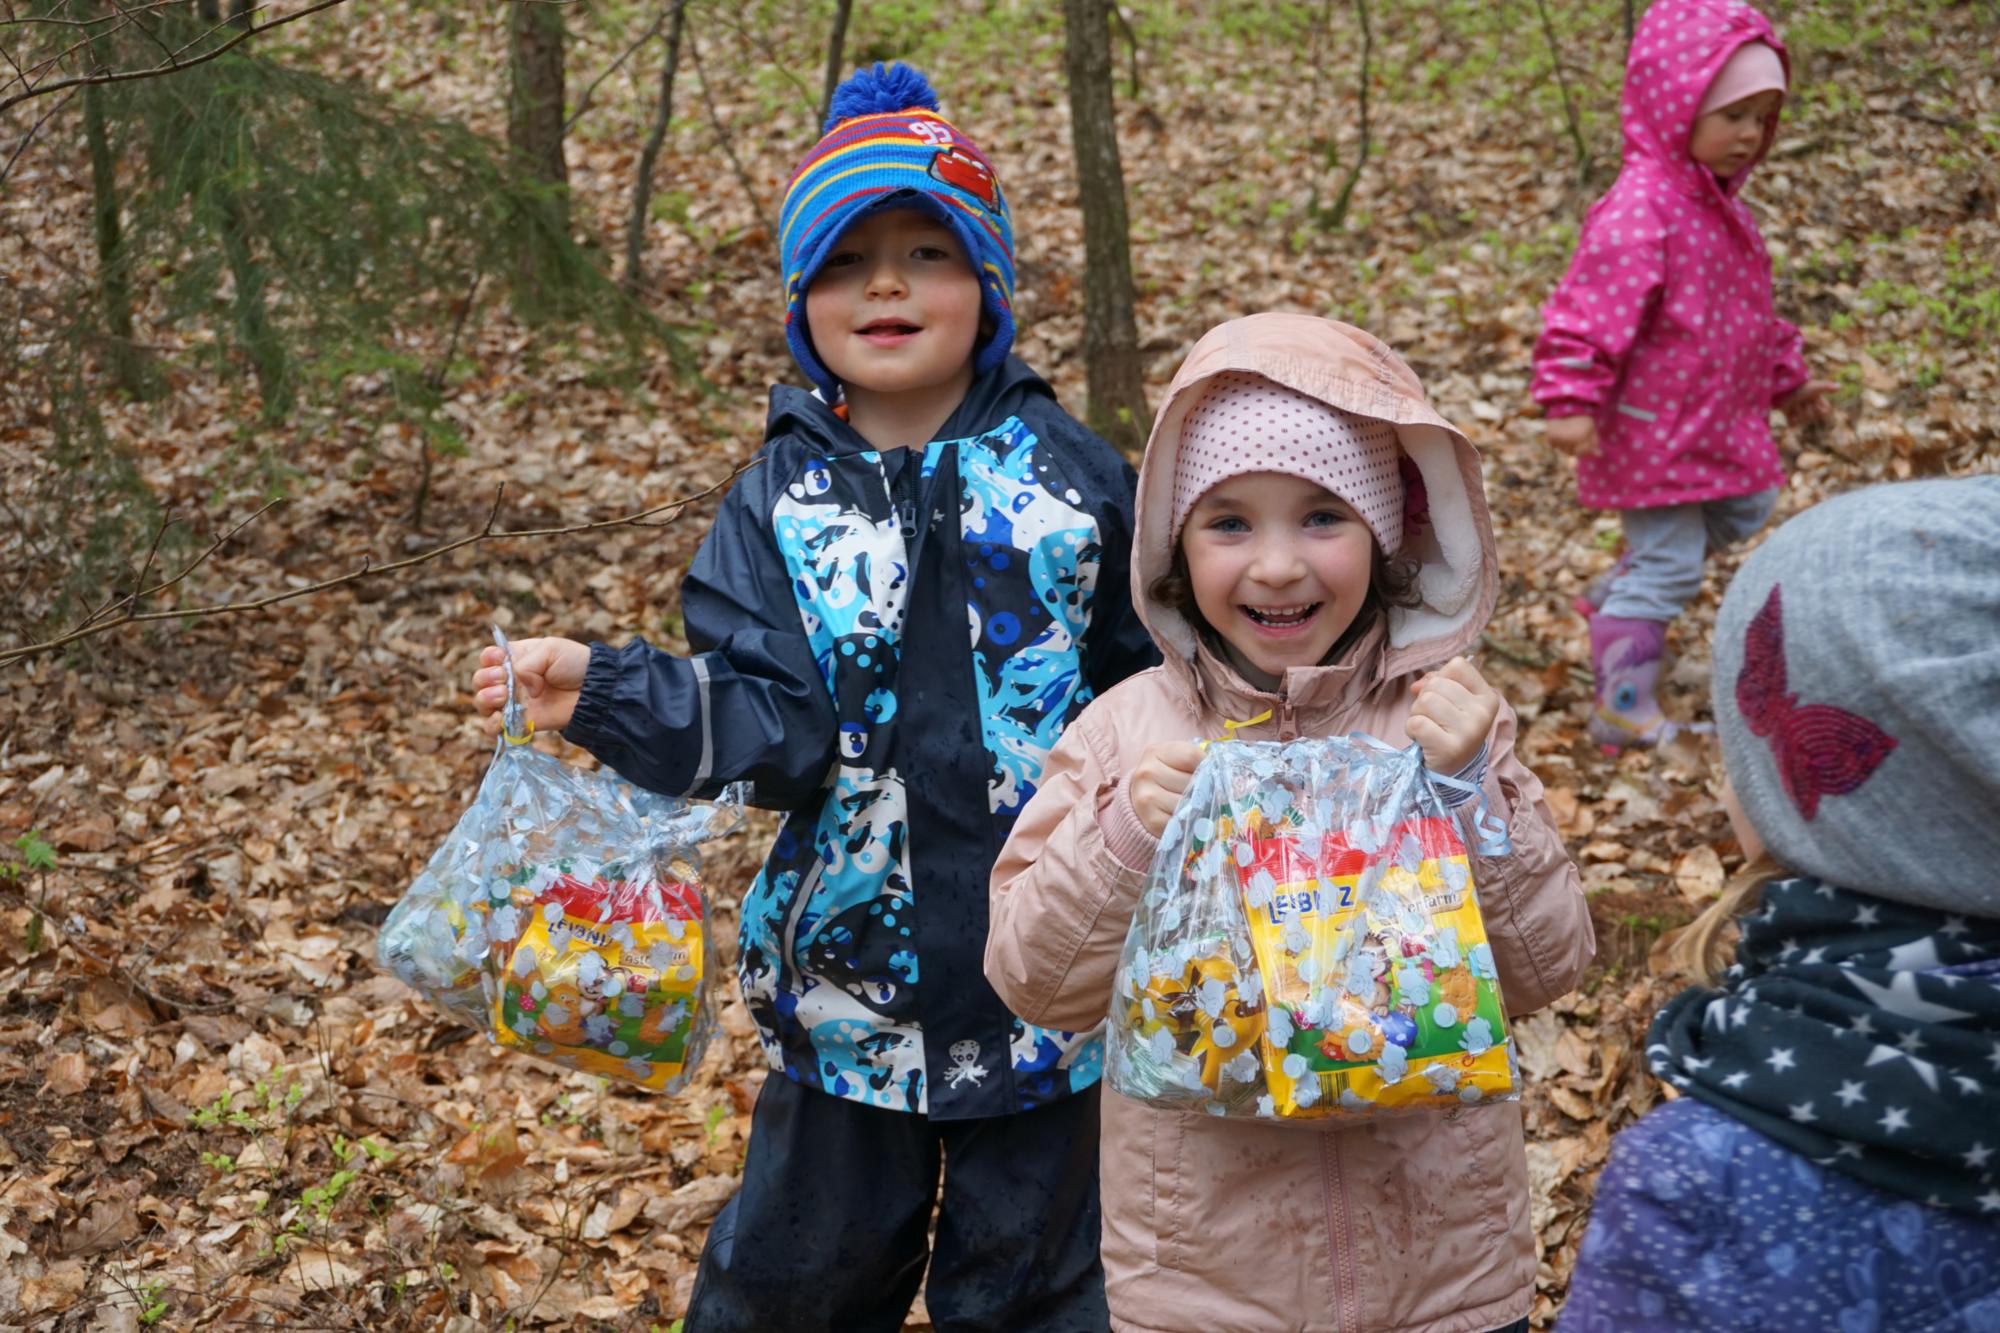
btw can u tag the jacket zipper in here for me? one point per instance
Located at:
(1337, 1239)
(1288, 720)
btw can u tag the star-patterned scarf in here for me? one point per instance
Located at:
(1862, 1034)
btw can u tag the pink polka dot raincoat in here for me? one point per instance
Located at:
(1663, 329)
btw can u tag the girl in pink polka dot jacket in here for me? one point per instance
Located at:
(1661, 355)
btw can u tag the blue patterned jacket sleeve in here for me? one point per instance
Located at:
(749, 703)
(1118, 644)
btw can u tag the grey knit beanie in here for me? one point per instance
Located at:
(1857, 692)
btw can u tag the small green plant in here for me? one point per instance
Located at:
(152, 1308)
(38, 856)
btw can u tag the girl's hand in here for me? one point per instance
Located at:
(548, 675)
(1159, 781)
(1807, 402)
(1453, 712)
(1575, 436)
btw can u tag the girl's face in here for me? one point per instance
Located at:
(1728, 137)
(1279, 567)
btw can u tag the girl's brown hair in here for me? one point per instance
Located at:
(1392, 582)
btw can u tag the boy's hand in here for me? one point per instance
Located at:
(1807, 402)
(1160, 780)
(1575, 436)
(1453, 712)
(548, 675)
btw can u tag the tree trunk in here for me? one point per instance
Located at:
(1117, 403)
(836, 43)
(649, 156)
(114, 284)
(535, 136)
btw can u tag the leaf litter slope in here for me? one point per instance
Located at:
(213, 1110)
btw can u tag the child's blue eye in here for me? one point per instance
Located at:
(1229, 523)
(1324, 518)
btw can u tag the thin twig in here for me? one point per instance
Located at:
(583, 102)
(1562, 85)
(772, 56)
(29, 137)
(9, 656)
(112, 17)
(1337, 217)
(728, 144)
(152, 554)
(1131, 47)
(175, 66)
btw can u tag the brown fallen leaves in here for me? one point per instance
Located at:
(214, 1112)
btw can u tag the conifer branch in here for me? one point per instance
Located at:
(173, 64)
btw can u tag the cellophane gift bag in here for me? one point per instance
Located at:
(1308, 945)
(564, 917)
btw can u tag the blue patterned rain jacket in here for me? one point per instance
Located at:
(887, 645)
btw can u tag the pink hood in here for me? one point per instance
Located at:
(1664, 329)
(1680, 47)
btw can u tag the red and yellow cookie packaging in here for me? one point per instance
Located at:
(1309, 945)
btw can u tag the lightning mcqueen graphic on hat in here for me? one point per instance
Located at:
(962, 171)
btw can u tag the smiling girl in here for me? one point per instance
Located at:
(1312, 554)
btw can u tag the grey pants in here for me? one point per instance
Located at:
(1665, 549)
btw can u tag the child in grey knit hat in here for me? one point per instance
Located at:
(1836, 1151)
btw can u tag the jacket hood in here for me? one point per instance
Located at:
(1006, 390)
(1678, 49)
(1346, 368)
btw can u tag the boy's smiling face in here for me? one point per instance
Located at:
(894, 314)
(1727, 138)
(1279, 567)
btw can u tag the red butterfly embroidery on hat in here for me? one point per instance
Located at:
(1821, 750)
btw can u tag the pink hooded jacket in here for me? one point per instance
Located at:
(1413, 1223)
(1663, 330)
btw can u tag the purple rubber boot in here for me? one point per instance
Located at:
(1625, 656)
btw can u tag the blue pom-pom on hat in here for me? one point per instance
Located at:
(886, 146)
(871, 92)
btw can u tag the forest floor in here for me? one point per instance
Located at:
(215, 1110)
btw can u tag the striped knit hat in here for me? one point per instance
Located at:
(886, 146)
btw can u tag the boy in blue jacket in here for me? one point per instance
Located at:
(893, 618)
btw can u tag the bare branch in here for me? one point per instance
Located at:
(174, 64)
(29, 137)
(1562, 85)
(772, 56)
(728, 144)
(583, 102)
(113, 17)
(131, 616)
